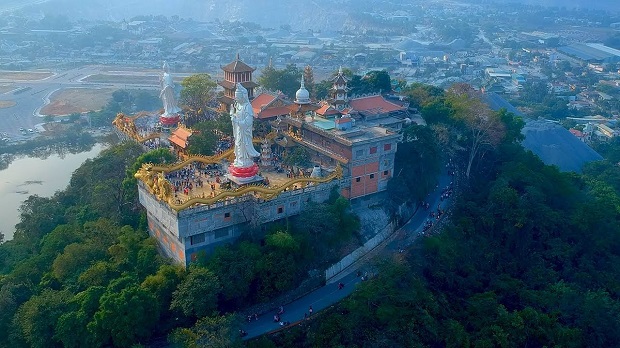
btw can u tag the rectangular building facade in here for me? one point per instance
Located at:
(183, 235)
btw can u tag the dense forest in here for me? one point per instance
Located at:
(81, 270)
(528, 256)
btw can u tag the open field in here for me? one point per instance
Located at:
(77, 100)
(124, 79)
(127, 79)
(6, 87)
(6, 104)
(24, 75)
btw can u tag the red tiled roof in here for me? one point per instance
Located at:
(178, 141)
(182, 133)
(325, 110)
(273, 112)
(261, 101)
(376, 104)
(237, 66)
(180, 136)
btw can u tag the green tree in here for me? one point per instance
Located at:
(126, 314)
(37, 317)
(482, 127)
(212, 332)
(198, 91)
(204, 140)
(379, 81)
(286, 80)
(298, 156)
(196, 296)
(71, 328)
(236, 269)
(417, 165)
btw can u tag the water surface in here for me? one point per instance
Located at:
(35, 176)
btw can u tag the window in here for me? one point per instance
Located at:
(280, 210)
(387, 147)
(386, 172)
(359, 153)
(197, 239)
(226, 215)
(372, 176)
(358, 179)
(373, 150)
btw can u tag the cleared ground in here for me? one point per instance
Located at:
(6, 104)
(127, 79)
(6, 88)
(77, 100)
(24, 75)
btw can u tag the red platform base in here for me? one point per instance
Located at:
(247, 172)
(169, 121)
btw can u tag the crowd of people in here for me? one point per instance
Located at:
(152, 144)
(194, 177)
(446, 193)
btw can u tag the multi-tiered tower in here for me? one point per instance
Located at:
(339, 97)
(236, 72)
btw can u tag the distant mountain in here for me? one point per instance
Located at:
(312, 14)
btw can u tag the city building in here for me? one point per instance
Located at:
(591, 52)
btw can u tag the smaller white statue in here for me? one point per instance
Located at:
(167, 93)
(242, 119)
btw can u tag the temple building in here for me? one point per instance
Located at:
(268, 106)
(194, 206)
(235, 72)
(179, 140)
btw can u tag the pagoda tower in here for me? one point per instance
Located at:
(235, 72)
(339, 98)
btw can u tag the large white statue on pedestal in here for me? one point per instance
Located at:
(242, 120)
(167, 93)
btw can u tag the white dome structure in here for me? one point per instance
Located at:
(302, 96)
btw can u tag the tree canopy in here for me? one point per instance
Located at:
(198, 92)
(285, 80)
(527, 258)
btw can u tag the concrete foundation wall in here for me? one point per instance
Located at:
(183, 235)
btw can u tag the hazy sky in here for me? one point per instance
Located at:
(305, 13)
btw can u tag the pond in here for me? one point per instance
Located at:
(35, 176)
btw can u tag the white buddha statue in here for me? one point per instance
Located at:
(167, 93)
(242, 120)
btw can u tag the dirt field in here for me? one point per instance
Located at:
(126, 79)
(152, 80)
(6, 104)
(24, 75)
(7, 87)
(76, 100)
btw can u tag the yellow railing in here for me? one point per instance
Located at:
(155, 181)
(126, 125)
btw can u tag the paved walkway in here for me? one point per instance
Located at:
(329, 294)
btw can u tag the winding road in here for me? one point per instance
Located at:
(330, 294)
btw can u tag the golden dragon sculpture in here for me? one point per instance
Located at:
(154, 179)
(126, 125)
